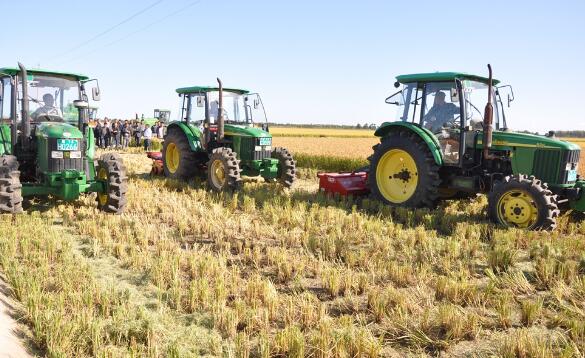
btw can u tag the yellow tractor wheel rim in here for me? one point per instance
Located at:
(397, 176)
(218, 173)
(103, 175)
(517, 208)
(172, 157)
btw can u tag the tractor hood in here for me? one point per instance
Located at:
(245, 131)
(58, 130)
(513, 139)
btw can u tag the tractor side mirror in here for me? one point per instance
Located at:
(80, 104)
(454, 95)
(95, 94)
(200, 101)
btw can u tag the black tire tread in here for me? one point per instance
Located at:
(117, 183)
(427, 192)
(232, 167)
(10, 186)
(287, 167)
(188, 159)
(547, 201)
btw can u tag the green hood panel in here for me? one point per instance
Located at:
(504, 140)
(58, 130)
(244, 131)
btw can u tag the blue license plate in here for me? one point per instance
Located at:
(67, 144)
(265, 141)
(572, 176)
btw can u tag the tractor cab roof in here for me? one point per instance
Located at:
(13, 71)
(204, 89)
(442, 77)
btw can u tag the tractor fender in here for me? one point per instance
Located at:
(427, 136)
(192, 132)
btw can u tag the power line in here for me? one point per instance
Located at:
(110, 29)
(134, 32)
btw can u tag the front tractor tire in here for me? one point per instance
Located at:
(223, 170)
(179, 161)
(523, 202)
(111, 170)
(403, 172)
(10, 186)
(287, 171)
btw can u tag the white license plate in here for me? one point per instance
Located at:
(572, 176)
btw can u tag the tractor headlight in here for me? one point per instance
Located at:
(569, 166)
(76, 154)
(258, 148)
(55, 154)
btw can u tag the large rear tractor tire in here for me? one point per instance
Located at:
(10, 186)
(179, 161)
(111, 170)
(403, 172)
(287, 171)
(523, 202)
(223, 170)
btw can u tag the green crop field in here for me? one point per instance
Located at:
(269, 272)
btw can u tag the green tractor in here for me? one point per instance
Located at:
(217, 136)
(41, 153)
(162, 115)
(442, 146)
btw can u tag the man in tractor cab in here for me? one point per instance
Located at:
(48, 108)
(440, 113)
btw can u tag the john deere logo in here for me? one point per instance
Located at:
(66, 134)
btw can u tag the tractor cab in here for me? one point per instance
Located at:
(240, 107)
(448, 105)
(162, 115)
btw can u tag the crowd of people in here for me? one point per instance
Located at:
(119, 134)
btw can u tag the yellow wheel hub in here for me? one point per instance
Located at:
(103, 175)
(217, 173)
(517, 208)
(397, 176)
(172, 157)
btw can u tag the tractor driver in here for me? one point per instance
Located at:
(440, 113)
(48, 108)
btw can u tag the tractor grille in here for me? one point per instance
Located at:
(58, 165)
(553, 166)
(546, 165)
(248, 149)
(569, 159)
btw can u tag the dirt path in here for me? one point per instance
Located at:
(12, 337)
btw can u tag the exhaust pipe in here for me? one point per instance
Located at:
(488, 119)
(24, 110)
(220, 123)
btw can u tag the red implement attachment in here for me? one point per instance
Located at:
(157, 163)
(345, 184)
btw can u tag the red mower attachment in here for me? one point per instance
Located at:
(345, 184)
(157, 163)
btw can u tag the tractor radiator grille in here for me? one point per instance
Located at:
(569, 160)
(248, 149)
(546, 165)
(58, 165)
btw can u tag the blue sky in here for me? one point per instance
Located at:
(312, 61)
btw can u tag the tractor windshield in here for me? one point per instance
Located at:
(476, 96)
(237, 108)
(51, 98)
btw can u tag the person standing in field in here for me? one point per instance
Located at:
(125, 133)
(97, 133)
(115, 133)
(103, 134)
(147, 137)
(161, 131)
